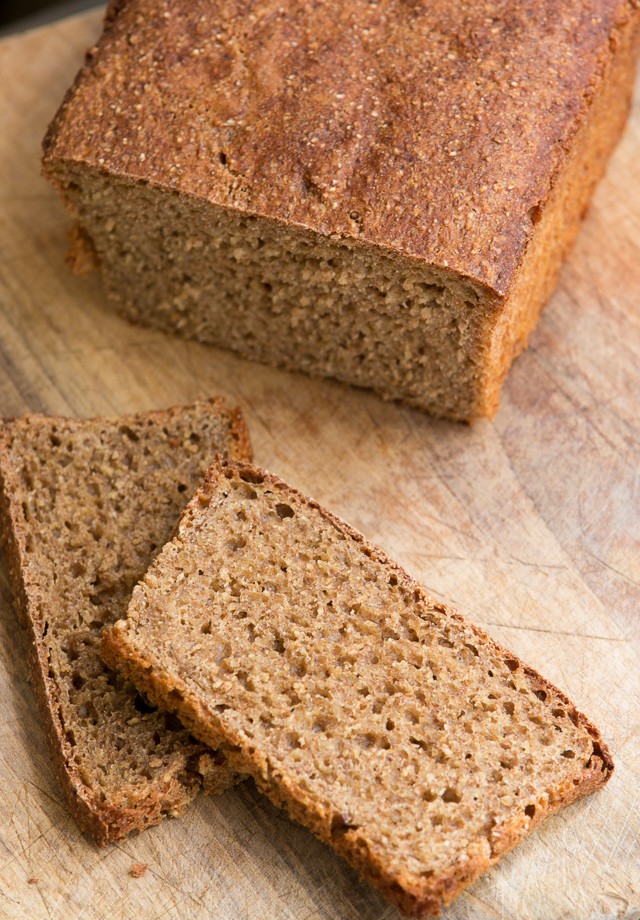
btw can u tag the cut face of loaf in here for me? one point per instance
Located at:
(85, 504)
(383, 196)
(394, 729)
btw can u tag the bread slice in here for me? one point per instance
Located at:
(85, 504)
(393, 728)
(383, 195)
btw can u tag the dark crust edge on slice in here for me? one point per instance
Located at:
(103, 823)
(425, 899)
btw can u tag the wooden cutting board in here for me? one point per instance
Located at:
(530, 525)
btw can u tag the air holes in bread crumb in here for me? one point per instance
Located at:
(530, 811)
(509, 708)
(340, 826)
(77, 680)
(245, 490)
(511, 663)
(366, 741)
(451, 795)
(128, 433)
(569, 754)
(254, 476)
(558, 713)
(393, 580)
(535, 213)
(278, 645)
(541, 694)
(284, 511)
(143, 705)
(88, 711)
(205, 629)
(245, 681)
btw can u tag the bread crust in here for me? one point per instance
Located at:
(103, 822)
(424, 899)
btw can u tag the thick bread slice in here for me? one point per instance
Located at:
(386, 723)
(84, 506)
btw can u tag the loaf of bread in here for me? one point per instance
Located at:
(85, 504)
(394, 729)
(379, 193)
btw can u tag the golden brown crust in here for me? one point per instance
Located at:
(435, 130)
(240, 433)
(418, 898)
(558, 219)
(105, 822)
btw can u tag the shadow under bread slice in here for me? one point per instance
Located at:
(85, 504)
(389, 725)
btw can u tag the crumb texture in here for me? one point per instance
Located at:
(87, 505)
(287, 297)
(393, 728)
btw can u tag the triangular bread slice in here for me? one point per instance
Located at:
(392, 727)
(85, 504)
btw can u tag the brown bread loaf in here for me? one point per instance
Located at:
(85, 504)
(382, 193)
(389, 725)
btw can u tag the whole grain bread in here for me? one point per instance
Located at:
(85, 504)
(380, 193)
(393, 728)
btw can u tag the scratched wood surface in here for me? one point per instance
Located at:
(530, 525)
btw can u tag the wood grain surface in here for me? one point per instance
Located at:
(529, 525)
